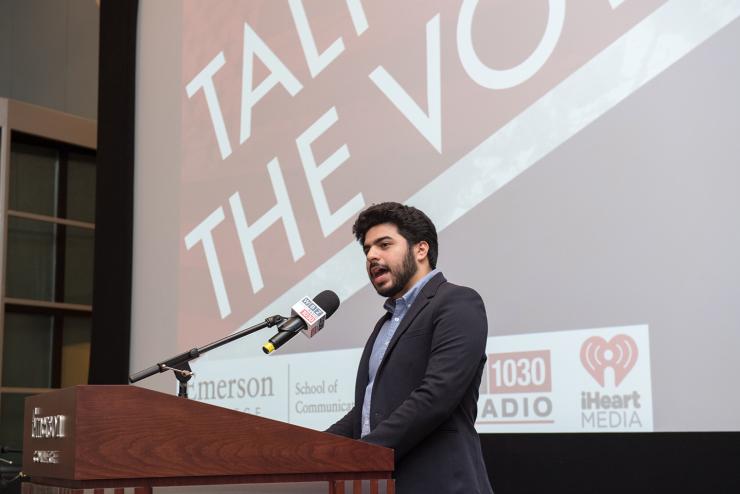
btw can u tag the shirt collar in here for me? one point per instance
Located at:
(409, 297)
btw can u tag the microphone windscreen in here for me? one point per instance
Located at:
(328, 301)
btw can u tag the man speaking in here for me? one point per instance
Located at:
(418, 378)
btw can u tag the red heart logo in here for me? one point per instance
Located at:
(620, 353)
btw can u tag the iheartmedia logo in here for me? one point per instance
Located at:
(620, 354)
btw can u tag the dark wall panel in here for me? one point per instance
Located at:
(111, 333)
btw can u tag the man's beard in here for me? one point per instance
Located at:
(400, 278)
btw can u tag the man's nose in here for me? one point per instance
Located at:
(372, 254)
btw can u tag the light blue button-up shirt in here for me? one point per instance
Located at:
(398, 309)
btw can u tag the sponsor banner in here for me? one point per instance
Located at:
(311, 389)
(594, 380)
(591, 380)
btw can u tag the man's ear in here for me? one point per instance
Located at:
(421, 250)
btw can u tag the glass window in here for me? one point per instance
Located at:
(81, 187)
(33, 179)
(11, 422)
(27, 350)
(76, 350)
(45, 347)
(29, 266)
(78, 265)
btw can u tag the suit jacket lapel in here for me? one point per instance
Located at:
(422, 300)
(363, 374)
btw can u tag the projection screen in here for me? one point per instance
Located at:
(579, 159)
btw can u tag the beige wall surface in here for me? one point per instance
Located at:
(49, 54)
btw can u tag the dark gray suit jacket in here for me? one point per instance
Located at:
(424, 400)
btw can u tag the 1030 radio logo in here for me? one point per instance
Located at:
(516, 389)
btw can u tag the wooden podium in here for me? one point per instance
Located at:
(131, 439)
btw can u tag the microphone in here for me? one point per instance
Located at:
(307, 316)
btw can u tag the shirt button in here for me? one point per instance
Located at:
(396, 319)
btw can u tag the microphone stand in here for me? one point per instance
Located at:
(179, 363)
(9, 470)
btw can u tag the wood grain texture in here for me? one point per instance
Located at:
(33, 488)
(210, 480)
(127, 432)
(373, 486)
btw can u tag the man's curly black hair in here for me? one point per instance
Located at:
(412, 224)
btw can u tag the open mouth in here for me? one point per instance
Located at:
(378, 273)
